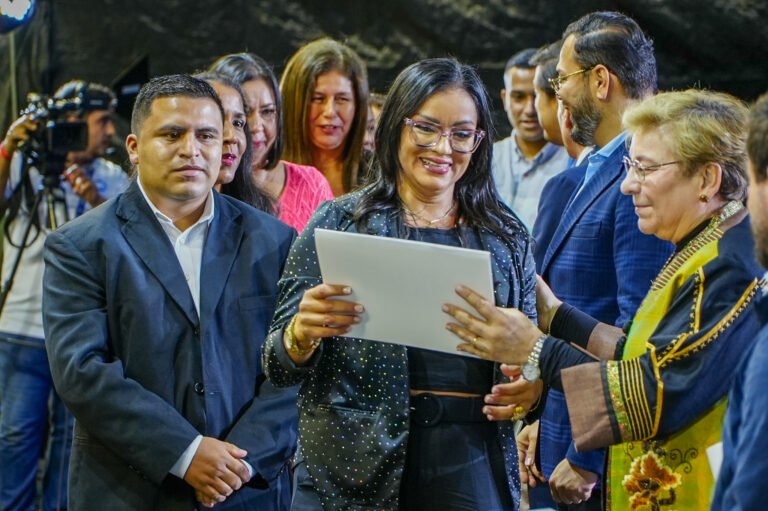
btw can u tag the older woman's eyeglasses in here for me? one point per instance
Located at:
(428, 134)
(639, 171)
(558, 80)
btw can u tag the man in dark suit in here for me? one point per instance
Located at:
(741, 481)
(155, 309)
(597, 257)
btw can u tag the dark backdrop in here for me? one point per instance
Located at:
(720, 44)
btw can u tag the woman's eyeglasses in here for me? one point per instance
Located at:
(427, 134)
(639, 171)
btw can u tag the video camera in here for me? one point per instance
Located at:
(56, 135)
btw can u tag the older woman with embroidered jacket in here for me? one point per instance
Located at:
(371, 436)
(657, 395)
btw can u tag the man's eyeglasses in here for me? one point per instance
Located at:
(558, 80)
(427, 134)
(639, 171)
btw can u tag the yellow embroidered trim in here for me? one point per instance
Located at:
(677, 261)
(711, 233)
(633, 402)
(659, 392)
(720, 327)
(614, 389)
(698, 296)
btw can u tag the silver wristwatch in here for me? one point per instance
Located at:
(531, 371)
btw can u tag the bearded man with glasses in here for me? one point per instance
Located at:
(598, 258)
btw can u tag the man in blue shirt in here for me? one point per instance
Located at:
(741, 482)
(524, 161)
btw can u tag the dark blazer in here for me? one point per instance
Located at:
(555, 196)
(143, 374)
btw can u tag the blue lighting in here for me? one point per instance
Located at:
(14, 13)
(15, 9)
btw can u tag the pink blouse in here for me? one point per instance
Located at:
(305, 189)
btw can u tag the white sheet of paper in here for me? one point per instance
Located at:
(715, 456)
(403, 284)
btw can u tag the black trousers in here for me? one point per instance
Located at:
(455, 466)
(454, 461)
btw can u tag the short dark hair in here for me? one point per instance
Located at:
(617, 42)
(96, 96)
(521, 59)
(475, 193)
(757, 140)
(170, 86)
(546, 58)
(245, 67)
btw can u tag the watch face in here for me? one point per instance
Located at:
(530, 372)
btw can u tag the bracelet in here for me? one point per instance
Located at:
(293, 344)
(4, 154)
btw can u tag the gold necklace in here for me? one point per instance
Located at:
(417, 216)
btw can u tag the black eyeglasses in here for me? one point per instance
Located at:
(639, 171)
(428, 134)
(558, 80)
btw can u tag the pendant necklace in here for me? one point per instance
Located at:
(416, 216)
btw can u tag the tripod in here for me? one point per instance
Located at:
(47, 195)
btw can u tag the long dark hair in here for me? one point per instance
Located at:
(478, 204)
(246, 67)
(241, 187)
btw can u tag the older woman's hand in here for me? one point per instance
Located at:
(502, 335)
(546, 304)
(513, 400)
(321, 315)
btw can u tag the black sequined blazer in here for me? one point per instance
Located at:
(354, 397)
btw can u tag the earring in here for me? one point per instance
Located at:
(703, 197)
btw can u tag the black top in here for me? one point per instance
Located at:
(433, 370)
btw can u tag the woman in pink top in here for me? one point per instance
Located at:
(296, 189)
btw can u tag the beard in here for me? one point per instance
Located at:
(585, 118)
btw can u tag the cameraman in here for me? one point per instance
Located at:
(29, 406)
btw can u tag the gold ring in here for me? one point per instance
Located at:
(474, 340)
(519, 413)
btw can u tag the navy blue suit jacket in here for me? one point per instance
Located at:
(741, 483)
(599, 262)
(143, 374)
(555, 196)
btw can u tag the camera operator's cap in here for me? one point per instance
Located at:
(85, 96)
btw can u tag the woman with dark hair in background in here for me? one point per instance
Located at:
(296, 189)
(375, 102)
(325, 94)
(371, 434)
(234, 179)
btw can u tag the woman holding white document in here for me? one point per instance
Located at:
(383, 426)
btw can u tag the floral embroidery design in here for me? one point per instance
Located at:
(647, 482)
